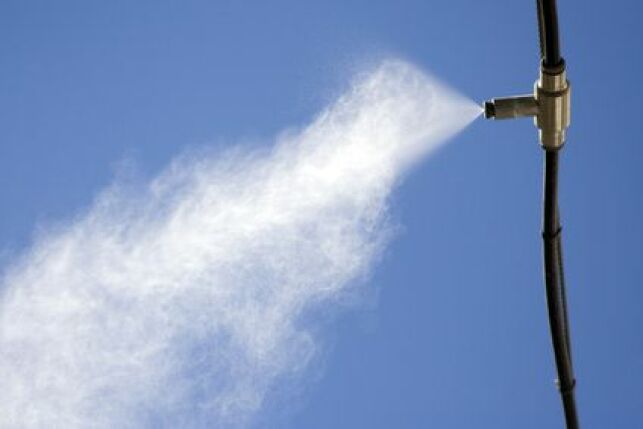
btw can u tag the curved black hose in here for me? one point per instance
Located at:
(563, 298)
(555, 291)
(549, 39)
(553, 62)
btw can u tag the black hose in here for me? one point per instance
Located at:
(563, 298)
(552, 62)
(555, 292)
(549, 39)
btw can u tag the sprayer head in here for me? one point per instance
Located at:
(549, 105)
(489, 109)
(511, 107)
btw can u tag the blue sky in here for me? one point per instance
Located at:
(458, 336)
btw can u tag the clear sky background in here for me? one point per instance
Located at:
(458, 335)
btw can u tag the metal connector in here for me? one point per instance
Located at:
(549, 105)
(552, 92)
(511, 107)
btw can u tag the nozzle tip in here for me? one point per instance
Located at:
(489, 110)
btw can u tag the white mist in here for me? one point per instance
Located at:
(181, 305)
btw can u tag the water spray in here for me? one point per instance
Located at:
(210, 279)
(549, 105)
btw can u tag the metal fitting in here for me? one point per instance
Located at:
(549, 105)
(552, 92)
(511, 107)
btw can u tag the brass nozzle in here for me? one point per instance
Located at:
(511, 107)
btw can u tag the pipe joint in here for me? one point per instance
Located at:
(553, 93)
(549, 106)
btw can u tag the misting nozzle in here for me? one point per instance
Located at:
(511, 107)
(549, 105)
